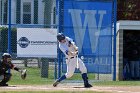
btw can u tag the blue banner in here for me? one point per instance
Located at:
(89, 23)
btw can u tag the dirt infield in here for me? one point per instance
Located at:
(62, 87)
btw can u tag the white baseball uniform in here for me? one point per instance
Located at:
(71, 60)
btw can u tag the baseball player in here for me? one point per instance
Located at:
(68, 47)
(5, 65)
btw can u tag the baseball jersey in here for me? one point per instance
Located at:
(4, 66)
(65, 47)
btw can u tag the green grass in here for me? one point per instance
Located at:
(34, 78)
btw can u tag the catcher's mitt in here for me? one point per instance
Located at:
(23, 74)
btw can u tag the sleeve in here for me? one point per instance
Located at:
(64, 50)
(14, 67)
(4, 67)
(11, 66)
(70, 40)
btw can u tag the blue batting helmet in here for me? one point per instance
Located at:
(60, 37)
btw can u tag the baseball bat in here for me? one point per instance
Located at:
(77, 62)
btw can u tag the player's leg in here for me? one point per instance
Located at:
(70, 70)
(59, 80)
(132, 69)
(137, 69)
(83, 70)
(6, 78)
(1, 78)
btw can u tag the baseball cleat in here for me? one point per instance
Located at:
(2, 84)
(88, 85)
(55, 83)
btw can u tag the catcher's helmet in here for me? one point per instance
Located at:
(6, 55)
(60, 37)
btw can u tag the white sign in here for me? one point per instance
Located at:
(36, 42)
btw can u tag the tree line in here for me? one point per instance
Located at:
(128, 10)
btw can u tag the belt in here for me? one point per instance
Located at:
(70, 58)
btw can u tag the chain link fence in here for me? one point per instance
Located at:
(80, 21)
(29, 20)
(33, 14)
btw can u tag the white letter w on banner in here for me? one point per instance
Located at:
(88, 23)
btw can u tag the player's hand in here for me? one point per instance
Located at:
(76, 48)
(9, 62)
(74, 53)
(77, 52)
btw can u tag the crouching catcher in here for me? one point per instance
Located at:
(5, 65)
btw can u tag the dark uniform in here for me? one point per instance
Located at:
(131, 54)
(5, 65)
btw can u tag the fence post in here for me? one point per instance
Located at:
(25, 62)
(39, 62)
(55, 73)
(0, 13)
(114, 50)
(44, 67)
(9, 27)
